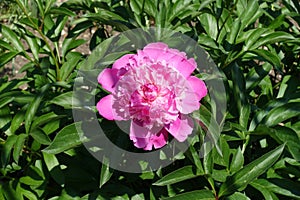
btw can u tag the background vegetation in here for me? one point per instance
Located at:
(255, 44)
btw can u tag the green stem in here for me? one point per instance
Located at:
(245, 144)
(228, 62)
(211, 183)
(43, 37)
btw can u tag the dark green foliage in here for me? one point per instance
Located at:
(256, 46)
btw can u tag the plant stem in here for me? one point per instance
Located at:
(43, 37)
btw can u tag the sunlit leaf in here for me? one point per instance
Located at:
(179, 175)
(247, 174)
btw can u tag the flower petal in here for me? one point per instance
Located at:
(158, 140)
(156, 45)
(156, 51)
(137, 130)
(122, 62)
(104, 106)
(189, 103)
(143, 137)
(181, 128)
(186, 67)
(198, 86)
(108, 78)
(141, 143)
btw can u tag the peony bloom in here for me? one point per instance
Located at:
(155, 90)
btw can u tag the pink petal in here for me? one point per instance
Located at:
(189, 103)
(181, 128)
(141, 143)
(159, 140)
(108, 78)
(156, 51)
(186, 67)
(137, 130)
(157, 45)
(122, 62)
(143, 137)
(104, 106)
(198, 86)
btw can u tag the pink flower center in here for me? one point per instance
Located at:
(150, 92)
(150, 104)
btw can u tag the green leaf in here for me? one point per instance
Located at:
(237, 161)
(12, 37)
(281, 113)
(40, 136)
(34, 177)
(254, 36)
(288, 86)
(268, 56)
(81, 26)
(5, 45)
(237, 196)
(40, 7)
(2, 193)
(34, 46)
(282, 135)
(264, 191)
(184, 173)
(99, 52)
(18, 147)
(210, 25)
(244, 115)
(260, 114)
(207, 41)
(45, 118)
(6, 149)
(222, 157)
(234, 32)
(239, 95)
(60, 24)
(271, 187)
(182, 10)
(6, 100)
(5, 117)
(286, 135)
(6, 57)
(209, 122)
(68, 67)
(104, 16)
(194, 195)
(208, 163)
(33, 108)
(17, 121)
(106, 172)
(67, 138)
(62, 11)
(9, 190)
(250, 13)
(271, 38)
(277, 22)
(135, 6)
(70, 44)
(28, 194)
(250, 172)
(32, 22)
(66, 100)
(196, 159)
(53, 167)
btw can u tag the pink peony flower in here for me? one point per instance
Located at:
(155, 90)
